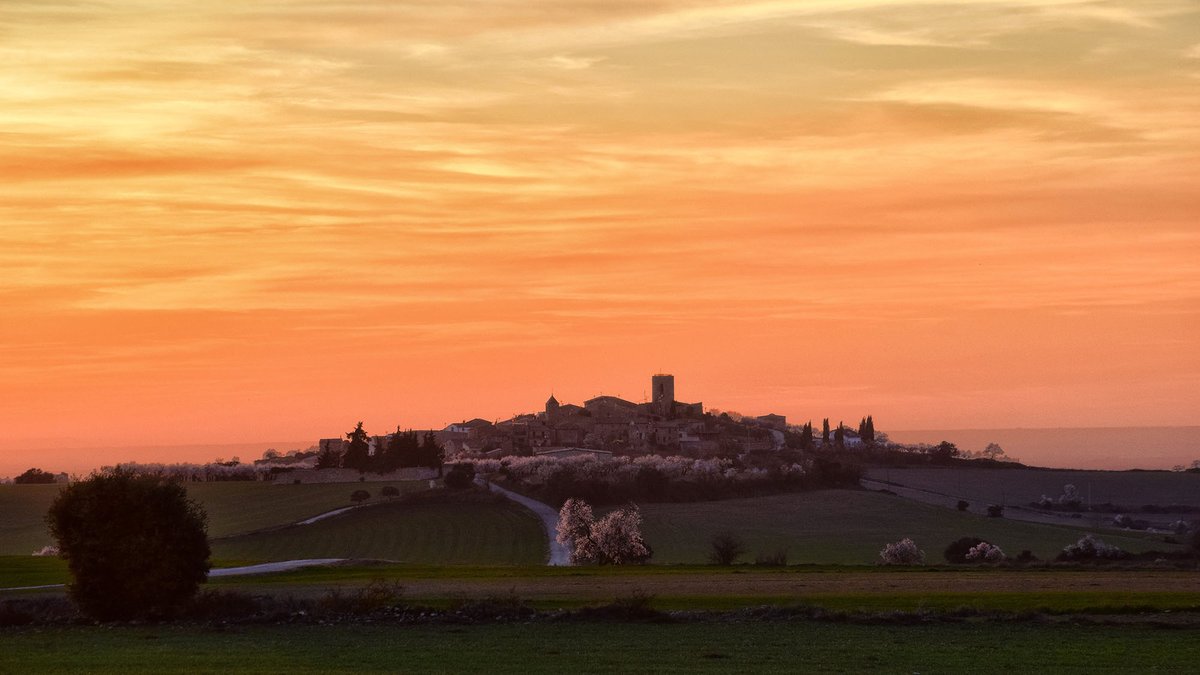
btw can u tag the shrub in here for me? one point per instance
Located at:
(458, 478)
(985, 552)
(963, 505)
(957, 551)
(359, 496)
(379, 594)
(903, 552)
(725, 548)
(1180, 527)
(1091, 548)
(1196, 541)
(135, 545)
(389, 491)
(995, 511)
(1026, 556)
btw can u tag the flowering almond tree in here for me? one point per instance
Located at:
(903, 552)
(615, 539)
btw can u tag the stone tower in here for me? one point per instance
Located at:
(663, 394)
(551, 408)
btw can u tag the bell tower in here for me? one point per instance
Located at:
(662, 389)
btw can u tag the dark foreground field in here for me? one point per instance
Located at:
(605, 647)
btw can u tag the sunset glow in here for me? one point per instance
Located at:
(229, 222)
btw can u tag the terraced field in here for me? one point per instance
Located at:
(847, 527)
(438, 532)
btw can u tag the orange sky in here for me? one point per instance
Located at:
(225, 221)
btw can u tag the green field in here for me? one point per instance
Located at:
(1022, 486)
(589, 647)
(437, 532)
(232, 507)
(847, 527)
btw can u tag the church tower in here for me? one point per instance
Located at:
(551, 408)
(663, 394)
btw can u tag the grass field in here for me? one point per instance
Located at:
(847, 527)
(722, 588)
(580, 647)
(23, 517)
(441, 532)
(1022, 486)
(232, 507)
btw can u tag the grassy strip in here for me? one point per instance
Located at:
(589, 647)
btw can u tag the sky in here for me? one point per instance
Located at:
(225, 222)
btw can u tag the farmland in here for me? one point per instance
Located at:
(1022, 486)
(595, 647)
(232, 507)
(444, 531)
(846, 527)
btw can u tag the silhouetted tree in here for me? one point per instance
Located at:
(866, 430)
(993, 451)
(431, 453)
(329, 458)
(725, 548)
(403, 450)
(357, 454)
(825, 433)
(136, 546)
(34, 477)
(806, 436)
(839, 436)
(943, 451)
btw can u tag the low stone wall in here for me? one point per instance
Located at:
(353, 476)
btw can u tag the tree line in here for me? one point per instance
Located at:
(403, 449)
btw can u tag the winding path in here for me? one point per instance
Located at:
(558, 553)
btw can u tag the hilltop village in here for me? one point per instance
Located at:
(613, 425)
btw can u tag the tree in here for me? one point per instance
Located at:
(34, 477)
(943, 451)
(135, 545)
(725, 548)
(328, 457)
(903, 552)
(957, 551)
(993, 451)
(358, 452)
(432, 454)
(615, 539)
(806, 436)
(359, 496)
(825, 433)
(866, 430)
(389, 491)
(403, 450)
(839, 436)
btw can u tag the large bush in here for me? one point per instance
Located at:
(1091, 548)
(957, 551)
(903, 552)
(136, 546)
